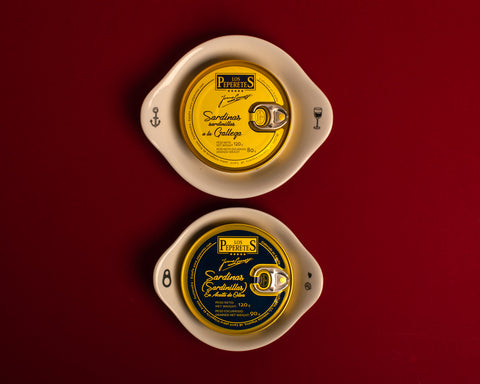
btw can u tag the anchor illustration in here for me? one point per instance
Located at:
(155, 121)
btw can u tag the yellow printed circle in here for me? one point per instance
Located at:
(215, 117)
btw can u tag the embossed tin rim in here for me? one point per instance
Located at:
(185, 269)
(208, 70)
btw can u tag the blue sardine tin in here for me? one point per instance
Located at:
(236, 278)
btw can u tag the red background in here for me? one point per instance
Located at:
(389, 205)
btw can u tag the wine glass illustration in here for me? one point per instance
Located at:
(317, 113)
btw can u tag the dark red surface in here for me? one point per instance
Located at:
(389, 205)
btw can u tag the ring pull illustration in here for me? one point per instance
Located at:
(167, 279)
(267, 117)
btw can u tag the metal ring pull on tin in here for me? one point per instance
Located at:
(267, 117)
(268, 280)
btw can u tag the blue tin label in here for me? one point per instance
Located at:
(219, 282)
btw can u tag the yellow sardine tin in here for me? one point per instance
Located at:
(235, 115)
(236, 279)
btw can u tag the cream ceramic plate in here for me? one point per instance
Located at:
(310, 124)
(305, 290)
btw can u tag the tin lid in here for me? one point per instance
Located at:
(236, 279)
(235, 115)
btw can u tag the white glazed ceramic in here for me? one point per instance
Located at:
(160, 118)
(307, 279)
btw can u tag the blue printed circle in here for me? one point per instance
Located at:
(217, 279)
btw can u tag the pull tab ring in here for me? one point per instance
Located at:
(269, 280)
(267, 117)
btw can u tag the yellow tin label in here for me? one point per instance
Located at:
(235, 115)
(236, 279)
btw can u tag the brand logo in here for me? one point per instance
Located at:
(229, 81)
(239, 244)
(264, 280)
